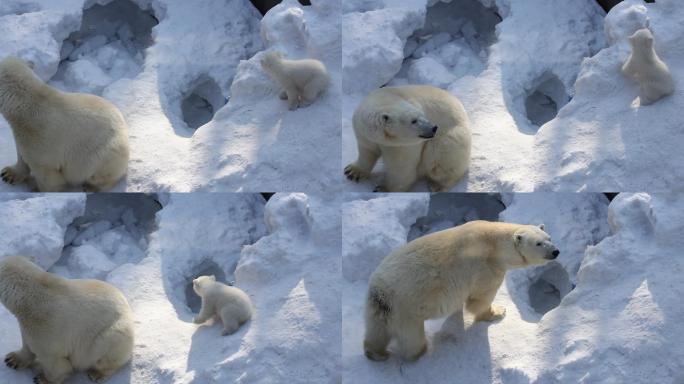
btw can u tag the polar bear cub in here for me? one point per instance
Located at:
(61, 138)
(230, 304)
(644, 65)
(436, 275)
(419, 130)
(66, 325)
(302, 80)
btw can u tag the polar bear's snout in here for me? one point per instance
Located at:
(429, 133)
(554, 253)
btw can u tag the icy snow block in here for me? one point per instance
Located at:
(289, 212)
(284, 27)
(625, 19)
(373, 46)
(632, 212)
(427, 70)
(92, 231)
(87, 261)
(372, 229)
(35, 227)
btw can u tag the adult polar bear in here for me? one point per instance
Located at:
(435, 275)
(66, 325)
(419, 130)
(61, 138)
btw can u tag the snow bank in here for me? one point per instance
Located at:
(201, 115)
(512, 64)
(608, 142)
(35, 226)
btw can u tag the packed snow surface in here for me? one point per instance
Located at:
(540, 81)
(284, 254)
(615, 317)
(203, 115)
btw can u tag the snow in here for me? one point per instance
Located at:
(203, 116)
(619, 323)
(540, 80)
(282, 253)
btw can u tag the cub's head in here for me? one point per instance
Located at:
(14, 68)
(270, 59)
(401, 124)
(642, 38)
(534, 246)
(200, 283)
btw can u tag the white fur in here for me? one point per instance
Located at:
(390, 121)
(61, 138)
(436, 275)
(302, 80)
(647, 69)
(230, 304)
(66, 325)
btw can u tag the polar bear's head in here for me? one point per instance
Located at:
(16, 81)
(400, 123)
(534, 245)
(271, 59)
(200, 283)
(642, 38)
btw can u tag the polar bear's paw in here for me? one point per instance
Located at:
(40, 379)
(15, 361)
(355, 173)
(96, 376)
(381, 188)
(494, 313)
(283, 95)
(11, 175)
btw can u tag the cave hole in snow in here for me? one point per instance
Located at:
(205, 268)
(549, 286)
(448, 210)
(265, 5)
(109, 46)
(545, 99)
(454, 42)
(114, 230)
(201, 102)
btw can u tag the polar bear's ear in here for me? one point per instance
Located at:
(541, 226)
(212, 278)
(30, 64)
(517, 238)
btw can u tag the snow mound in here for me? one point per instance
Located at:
(601, 133)
(34, 227)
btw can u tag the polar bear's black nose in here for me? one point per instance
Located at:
(555, 253)
(434, 129)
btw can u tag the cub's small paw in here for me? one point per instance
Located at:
(495, 313)
(354, 173)
(380, 188)
(40, 379)
(10, 176)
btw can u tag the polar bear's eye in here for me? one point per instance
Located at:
(538, 244)
(414, 121)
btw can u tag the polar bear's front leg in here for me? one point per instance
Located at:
(230, 324)
(401, 166)
(480, 304)
(54, 370)
(49, 180)
(369, 153)
(16, 174)
(206, 312)
(292, 97)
